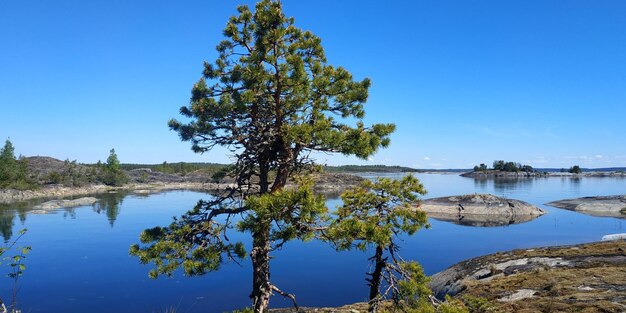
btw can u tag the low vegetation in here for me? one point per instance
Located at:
(31, 173)
(587, 278)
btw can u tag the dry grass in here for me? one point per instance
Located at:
(598, 287)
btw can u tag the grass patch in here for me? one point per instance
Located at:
(623, 211)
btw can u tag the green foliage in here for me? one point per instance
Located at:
(13, 171)
(272, 98)
(452, 306)
(8, 164)
(244, 310)
(413, 289)
(16, 265)
(501, 165)
(477, 304)
(575, 169)
(296, 212)
(374, 212)
(480, 168)
(113, 174)
(373, 215)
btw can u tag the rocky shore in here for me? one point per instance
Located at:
(581, 278)
(57, 204)
(480, 210)
(328, 184)
(608, 206)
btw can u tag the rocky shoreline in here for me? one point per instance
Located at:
(327, 184)
(606, 206)
(585, 277)
(480, 210)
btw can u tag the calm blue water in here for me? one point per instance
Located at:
(80, 261)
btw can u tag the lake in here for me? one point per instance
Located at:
(80, 263)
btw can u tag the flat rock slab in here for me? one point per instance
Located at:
(480, 210)
(609, 206)
(57, 204)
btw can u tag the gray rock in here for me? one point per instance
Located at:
(480, 210)
(57, 204)
(609, 206)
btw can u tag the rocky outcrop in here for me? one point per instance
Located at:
(327, 184)
(570, 278)
(609, 206)
(57, 204)
(480, 210)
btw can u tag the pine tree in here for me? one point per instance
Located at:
(272, 99)
(8, 165)
(113, 174)
(373, 215)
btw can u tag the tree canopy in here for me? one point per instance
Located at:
(272, 99)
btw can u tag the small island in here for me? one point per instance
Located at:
(480, 210)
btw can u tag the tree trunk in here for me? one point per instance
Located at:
(374, 282)
(260, 255)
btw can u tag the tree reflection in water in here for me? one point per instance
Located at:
(109, 204)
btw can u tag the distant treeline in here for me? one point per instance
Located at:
(184, 168)
(368, 168)
(177, 167)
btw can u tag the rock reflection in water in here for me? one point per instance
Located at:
(482, 220)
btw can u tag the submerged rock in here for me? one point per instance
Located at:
(57, 204)
(609, 206)
(480, 210)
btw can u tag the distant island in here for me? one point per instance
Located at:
(508, 169)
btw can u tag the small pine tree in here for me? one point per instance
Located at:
(373, 215)
(113, 174)
(8, 165)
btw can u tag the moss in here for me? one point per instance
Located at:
(592, 288)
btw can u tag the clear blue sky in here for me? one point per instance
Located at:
(539, 82)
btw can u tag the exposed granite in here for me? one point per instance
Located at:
(609, 206)
(480, 210)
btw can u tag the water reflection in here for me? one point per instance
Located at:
(482, 220)
(6, 224)
(7, 217)
(109, 204)
(508, 185)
